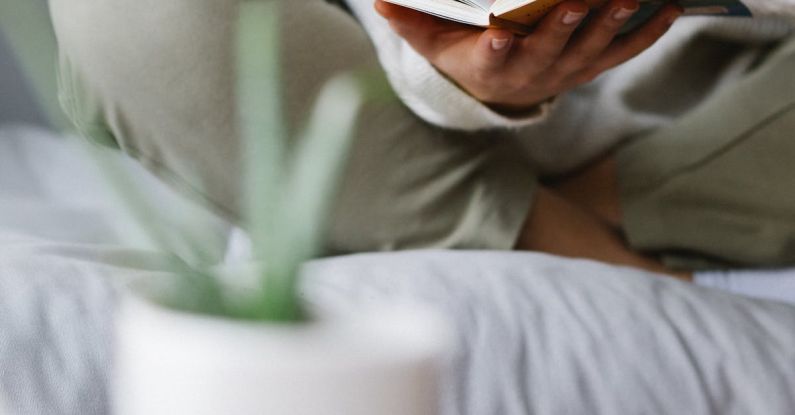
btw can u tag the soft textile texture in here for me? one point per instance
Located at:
(167, 99)
(774, 285)
(696, 57)
(535, 334)
(713, 191)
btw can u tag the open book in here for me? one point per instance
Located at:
(520, 15)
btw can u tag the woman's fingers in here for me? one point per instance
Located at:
(491, 51)
(542, 48)
(500, 68)
(633, 44)
(594, 38)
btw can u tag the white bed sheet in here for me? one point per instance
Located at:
(535, 333)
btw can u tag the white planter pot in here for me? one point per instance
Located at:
(382, 362)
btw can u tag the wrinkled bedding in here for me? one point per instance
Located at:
(534, 333)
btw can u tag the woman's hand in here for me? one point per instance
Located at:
(513, 73)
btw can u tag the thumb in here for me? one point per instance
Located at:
(422, 31)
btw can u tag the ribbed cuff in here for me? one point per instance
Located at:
(439, 101)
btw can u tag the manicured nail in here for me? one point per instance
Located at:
(572, 17)
(499, 44)
(622, 13)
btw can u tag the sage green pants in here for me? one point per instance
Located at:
(717, 189)
(156, 79)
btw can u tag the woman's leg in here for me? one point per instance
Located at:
(714, 190)
(558, 226)
(156, 78)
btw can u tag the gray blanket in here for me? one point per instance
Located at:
(534, 333)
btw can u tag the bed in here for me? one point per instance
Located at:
(534, 333)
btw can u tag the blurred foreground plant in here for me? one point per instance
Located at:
(287, 195)
(287, 202)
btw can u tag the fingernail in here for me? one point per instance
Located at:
(572, 17)
(499, 44)
(623, 13)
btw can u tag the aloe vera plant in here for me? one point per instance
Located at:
(287, 202)
(287, 194)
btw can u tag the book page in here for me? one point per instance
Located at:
(449, 9)
(484, 5)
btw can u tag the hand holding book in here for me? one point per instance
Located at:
(514, 73)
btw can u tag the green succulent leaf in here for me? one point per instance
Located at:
(261, 121)
(287, 198)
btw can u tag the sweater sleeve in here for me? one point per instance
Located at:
(426, 91)
(783, 9)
